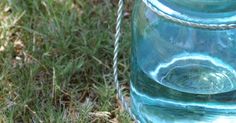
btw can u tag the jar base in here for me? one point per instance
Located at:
(167, 111)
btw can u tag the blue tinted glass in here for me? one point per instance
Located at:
(182, 74)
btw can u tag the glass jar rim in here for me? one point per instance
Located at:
(212, 6)
(194, 16)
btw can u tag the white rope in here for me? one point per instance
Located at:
(115, 60)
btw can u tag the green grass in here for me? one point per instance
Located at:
(56, 61)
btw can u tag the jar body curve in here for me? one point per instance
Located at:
(181, 74)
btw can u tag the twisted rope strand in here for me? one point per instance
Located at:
(115, 60)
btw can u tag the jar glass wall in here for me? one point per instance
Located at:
(182, 74)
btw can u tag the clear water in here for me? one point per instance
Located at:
(183, 75)
(187, 92)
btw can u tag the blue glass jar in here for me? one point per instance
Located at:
(183, 74)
